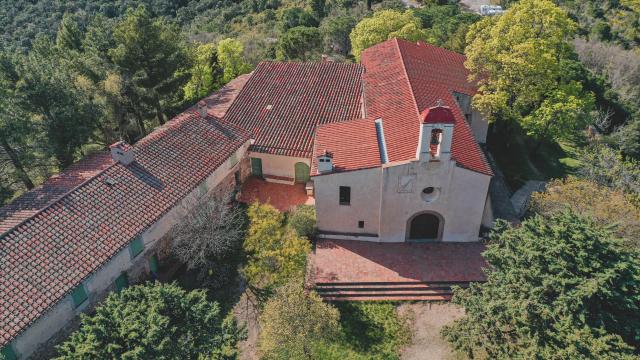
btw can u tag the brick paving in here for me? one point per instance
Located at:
(352, 261)
(282, 196)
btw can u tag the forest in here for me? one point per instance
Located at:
(77, 75)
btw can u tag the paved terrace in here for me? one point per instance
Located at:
(348, 261)
(281, 196)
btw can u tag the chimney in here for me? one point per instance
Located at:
(122, 153)
(202, 109)
(436, 133)
(325, 162)
(325, 58)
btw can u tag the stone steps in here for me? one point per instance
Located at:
(389, 291)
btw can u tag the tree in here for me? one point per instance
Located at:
(584, 197)
(275, 254)
(153, 321)
(293, 321)
(303, 220)
(209, 236)
(231, 59)
(295, 16)
(520, 60)
(605, 166)
(384, 25)
(205, 73)
(45, 88)
(558, 287)
(152, 56)
(69, 35)
(335, 33)
(298, 43)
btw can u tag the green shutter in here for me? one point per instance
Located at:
(122, 282)
(136, 247)
(153, 264)
(79, 295)
(8, 353)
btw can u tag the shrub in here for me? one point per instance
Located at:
(294, 323)
(303, 220)
(153, 321)
(558, 287)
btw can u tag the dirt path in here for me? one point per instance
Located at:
(427, 320)
(247, 315)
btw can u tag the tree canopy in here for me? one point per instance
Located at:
(520, 61)
(558, 287)
(153, 321)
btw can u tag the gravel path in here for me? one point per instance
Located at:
(427, 321)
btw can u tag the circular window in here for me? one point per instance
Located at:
(430, 194)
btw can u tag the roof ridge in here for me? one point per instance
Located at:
(160, 131)
(406, 76)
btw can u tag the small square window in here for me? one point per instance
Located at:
(136, 247)
(79, 295)
(361, 224)
(122, 282)
(345, 195)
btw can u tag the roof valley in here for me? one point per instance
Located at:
(406, 75)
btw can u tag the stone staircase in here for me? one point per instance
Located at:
(387, 291)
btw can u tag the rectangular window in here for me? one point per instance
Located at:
(8, 353)
(136, 247)
(345, 195)
(79, 295)
(361, 224)
(122, 282)
(153, 264)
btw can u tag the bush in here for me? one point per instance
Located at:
(303, 220)
(153, 321)
(559, 287)
(275, 254)
(294, 324)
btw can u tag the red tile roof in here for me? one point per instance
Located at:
(352, 144)
(282, 103)
(401, 80)
(48, 255)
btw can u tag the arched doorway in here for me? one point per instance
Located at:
(302, 172)
(425, 226)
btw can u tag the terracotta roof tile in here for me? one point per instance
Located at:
(401, 80)
(282, 103)
(49, 254)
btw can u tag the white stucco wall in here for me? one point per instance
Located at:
(365, 202)
(378, 197)
(100, 282)
(279, 165)
(479, 126)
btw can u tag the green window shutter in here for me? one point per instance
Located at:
(153, 263)
(8, 353)
(136, 247)
(122, 282)
(79, 295)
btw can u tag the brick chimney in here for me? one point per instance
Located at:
(325, 162)
(122, 152)
(202, 109)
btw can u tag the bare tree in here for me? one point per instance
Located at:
(209, 236)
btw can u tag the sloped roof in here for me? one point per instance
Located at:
(282, 103)
(352, 143)
(29, 203)
(48, 255)
(401, 80)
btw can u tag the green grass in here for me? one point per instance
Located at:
(513, 154)
(369, 330)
